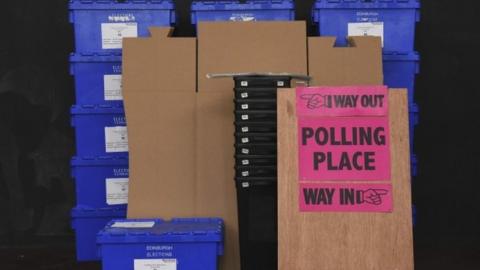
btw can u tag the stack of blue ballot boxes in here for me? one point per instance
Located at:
(392, 20)
(100, 167)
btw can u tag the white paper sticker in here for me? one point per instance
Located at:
(245, 184)
(245, 162)
(155, 264)
(366, 29)
(133, 224)
(112, 85)
(281, 83)
(243, 17)
(244, 129)
(244, 95)
(245, 117)
(116, 191)
(113, 33)
(244, 83)
(244, 106)
(245, 173)
(245, 151)
(116, 139)
(245, 140)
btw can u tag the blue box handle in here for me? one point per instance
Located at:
(292, 15)
(73, 224)
(72, 121)
(416, 119)
(315, 16)
(99, 251)
(220, 249)
(72, 69)
(173, 17)
(71, 17)
(73, 172)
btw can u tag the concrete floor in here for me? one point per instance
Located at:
(435, 254)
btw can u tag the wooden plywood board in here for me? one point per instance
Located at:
(344, 241)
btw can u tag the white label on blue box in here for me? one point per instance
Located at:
(155, 264)
(366, 29)
(134, 224)
(116, 191)
(116, 139)
(113, 33)
(112, 85)
(243, 17)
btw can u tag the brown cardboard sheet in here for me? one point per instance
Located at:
(358, 64)
(160, 104)
(236, 47)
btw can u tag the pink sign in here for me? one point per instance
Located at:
(343, 135)
(343, 148)
(320, 197)
(342, 101)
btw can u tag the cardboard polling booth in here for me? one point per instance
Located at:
(180, 123)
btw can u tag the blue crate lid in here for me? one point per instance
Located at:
(121, 160)
(95, 57)
(176, 230)
(97, 109)
(88, 212)
(401, 56)
(121, 5)
(249, 5)
(367, 4)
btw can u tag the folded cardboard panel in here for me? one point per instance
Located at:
(215, 189)
(347, 241)
(159, 64)
(358, 64)
(160, 101)
(162, 137)
(245, 47)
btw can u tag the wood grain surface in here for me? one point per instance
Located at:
(344, 241)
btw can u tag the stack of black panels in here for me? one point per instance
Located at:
(256, 168)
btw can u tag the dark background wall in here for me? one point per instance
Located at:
(36, 142)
